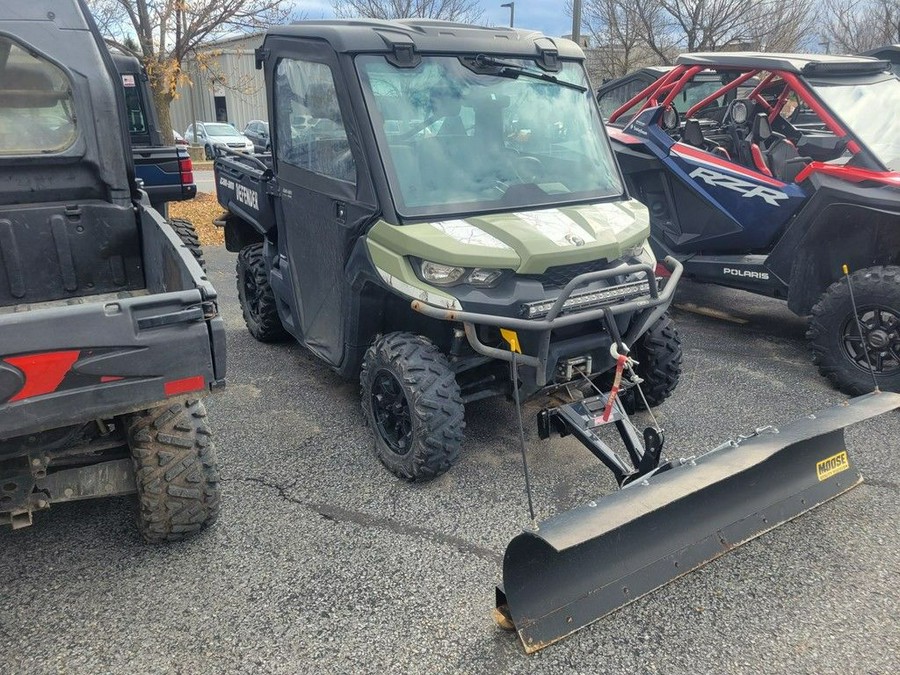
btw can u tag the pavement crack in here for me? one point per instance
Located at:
(343, 515)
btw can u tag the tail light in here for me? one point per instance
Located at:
(186, 168)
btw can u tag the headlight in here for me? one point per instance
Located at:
(448, 275)
(646, 255)
(441, 275)
(484, 277)
(642, 252)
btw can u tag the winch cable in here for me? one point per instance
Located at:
(514, 375)
(635, 379)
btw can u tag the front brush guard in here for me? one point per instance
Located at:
(582, 564)
(650, 307)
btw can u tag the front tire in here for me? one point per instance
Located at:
(833, 334)
(411, 401)
(208, 152)
(175, 470)
(256, 296)
(659, 356)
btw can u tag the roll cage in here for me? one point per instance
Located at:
(775, 89)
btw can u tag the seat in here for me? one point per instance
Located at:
(693, 135)
(775, 152)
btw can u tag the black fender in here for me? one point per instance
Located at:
(843, 223)
(240, 233)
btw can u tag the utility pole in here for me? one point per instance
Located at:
(576, 22)
(512, 12)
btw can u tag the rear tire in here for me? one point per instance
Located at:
(834, 335)
(659, 357)
(411, 401)
(188, 234)
(256, 296)
(175, 470)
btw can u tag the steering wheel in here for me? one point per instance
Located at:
(529, 169)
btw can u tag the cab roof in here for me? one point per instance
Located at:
(426, 36)
(802, 64)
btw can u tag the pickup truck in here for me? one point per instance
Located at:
(110, 334)
(166, 171)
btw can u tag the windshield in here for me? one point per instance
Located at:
(455, 140)
(870, 110)
(221, 130)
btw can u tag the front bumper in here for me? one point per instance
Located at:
(647, 309)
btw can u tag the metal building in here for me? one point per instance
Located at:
(223, 86)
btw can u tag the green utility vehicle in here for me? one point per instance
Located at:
(442, 216)
(448, 192)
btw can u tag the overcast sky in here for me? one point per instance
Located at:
(548, 16)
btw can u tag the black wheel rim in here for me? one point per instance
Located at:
(391, 411)
(251, 294)
(880, 338)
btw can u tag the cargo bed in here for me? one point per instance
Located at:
(67, 360)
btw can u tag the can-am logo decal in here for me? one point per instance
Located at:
(750, 274)
(746, 188)
(243, 194)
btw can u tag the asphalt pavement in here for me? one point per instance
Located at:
(322, 562)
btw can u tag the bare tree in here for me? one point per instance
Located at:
(780, 26)
(632, 33)
(464, 11)
(618, 34)
(854, 26)
(163, 33)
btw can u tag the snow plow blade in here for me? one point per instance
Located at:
(584, 563)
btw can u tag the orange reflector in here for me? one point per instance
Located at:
(175, 387)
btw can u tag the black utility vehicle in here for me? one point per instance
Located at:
(109, 330)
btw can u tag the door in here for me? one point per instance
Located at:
(317, 155)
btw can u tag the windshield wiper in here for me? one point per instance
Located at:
(514, 71)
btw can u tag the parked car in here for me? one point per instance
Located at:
(217, 134)
(258, 132)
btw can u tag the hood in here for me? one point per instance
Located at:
(230, 139)
(526, 241)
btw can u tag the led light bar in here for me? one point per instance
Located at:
(588, 299)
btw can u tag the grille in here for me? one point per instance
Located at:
(235, 145)
(559, 276)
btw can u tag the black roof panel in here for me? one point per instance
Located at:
(802, 64)
(371, 35)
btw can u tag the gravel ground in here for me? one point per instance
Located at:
(323, 562)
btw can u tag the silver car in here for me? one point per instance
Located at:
(217, 134)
